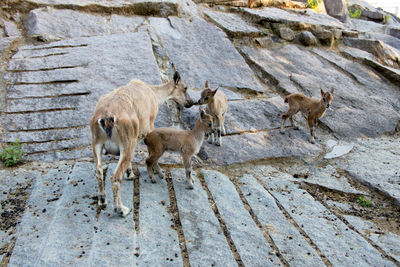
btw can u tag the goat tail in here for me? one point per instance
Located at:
(107, 124)
(286, 99)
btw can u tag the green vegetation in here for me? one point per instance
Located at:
(313, 4)
(355, 12)
(12, 154)
(364, 202)
(387, 17)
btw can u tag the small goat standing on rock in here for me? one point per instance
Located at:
(217, 106)
(313, 108)
(186, 142)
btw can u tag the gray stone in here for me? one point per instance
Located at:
(367, 26)
(339, 244)
(75, 73)
(382, 174)
(157, 241)
(200, 226)
(5, 42)
(386, 39)
(248, 115)
(286, 34)
(296, 20)
(385, 240)
(205, 48)
(395, 31)
(326, 37)
(337, 9)
(307, 38)
(247, 237)
(114, 238)
(46, 209)
(289, 69)
(338, 151)
(139, 7)
(383, 52)
(291, 244)
(330, 178)
(372, 15)
(261, 145)
(233, 24)
(10, 29)
(64, 23)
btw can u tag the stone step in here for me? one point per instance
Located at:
(201, 228)
(114, 238)
(291, 244)
(158, 241)
(337, 242)
(57, 222)
(251, 245)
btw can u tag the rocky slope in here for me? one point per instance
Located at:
(58, 57)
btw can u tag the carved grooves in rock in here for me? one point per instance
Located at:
(50, 55)
(50, 69)
(308, 188)
(177, 226)
(50, 96)
(221, 221)
(50, 82)
(49, 129)
(39, 111)
(263, 230)
(70, 148)
(293, 222)
(136, 200)
(56, 46)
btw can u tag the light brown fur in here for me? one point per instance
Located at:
(121, 118)
(313, 108)
(187, 143)
(217, 106)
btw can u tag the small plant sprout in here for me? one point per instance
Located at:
(12, 154)
(364, 202)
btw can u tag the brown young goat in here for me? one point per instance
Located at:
(186, 142)
(314, 109)
(121, 118)
(217, 106)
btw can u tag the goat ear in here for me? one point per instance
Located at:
(202, 113)
(322, 92)
(206, 85)
(173, 67)
(215, 91)
(177, 77)
(331, 90)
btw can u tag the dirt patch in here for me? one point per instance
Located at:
(12, 209)
(374, 207)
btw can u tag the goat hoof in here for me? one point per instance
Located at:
(122, 211)
(312, 141)
(218, 144)
(102, 202)
(296, 128)
(282, 131)
(153, 181)
(190, 185)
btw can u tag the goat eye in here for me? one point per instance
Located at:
(206, 98)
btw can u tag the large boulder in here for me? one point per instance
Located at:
(337, 9)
